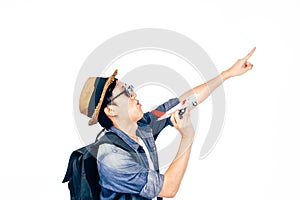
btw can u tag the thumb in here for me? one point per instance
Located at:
(173, 120)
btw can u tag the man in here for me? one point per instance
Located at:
(115, 106)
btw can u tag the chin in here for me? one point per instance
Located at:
(139, 115)
(136, 114)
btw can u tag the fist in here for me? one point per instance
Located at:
(183, 123)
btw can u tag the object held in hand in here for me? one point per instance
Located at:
(181, 112)
(190, 101)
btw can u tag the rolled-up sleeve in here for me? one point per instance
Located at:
(153, 186)
(119, 172)
(150, 118)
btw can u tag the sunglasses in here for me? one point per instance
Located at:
(128, 91)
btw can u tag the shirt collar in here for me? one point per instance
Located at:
(133, 144)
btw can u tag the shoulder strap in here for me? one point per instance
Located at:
(112, 138)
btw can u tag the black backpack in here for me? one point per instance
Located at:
(82, 173)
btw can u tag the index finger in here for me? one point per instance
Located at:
(249, 54)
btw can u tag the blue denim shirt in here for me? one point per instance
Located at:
(123, 177)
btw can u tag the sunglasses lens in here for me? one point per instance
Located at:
(129, 90)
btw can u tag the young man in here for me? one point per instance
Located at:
(115, 106)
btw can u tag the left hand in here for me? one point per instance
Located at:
(241, 66)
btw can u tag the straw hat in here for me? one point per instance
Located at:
(92, 96)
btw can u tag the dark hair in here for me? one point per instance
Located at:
(103, 119)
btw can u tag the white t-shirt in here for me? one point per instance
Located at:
(151, 166)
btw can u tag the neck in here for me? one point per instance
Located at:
(128, 128)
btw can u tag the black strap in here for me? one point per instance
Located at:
(99, 135)
(112, 138)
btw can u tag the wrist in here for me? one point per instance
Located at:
(225, 75)
(187, 140)
(188, 135)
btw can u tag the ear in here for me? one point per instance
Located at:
(110, 111)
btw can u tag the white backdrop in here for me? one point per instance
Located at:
(43, 45)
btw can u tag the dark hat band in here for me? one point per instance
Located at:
(95, 102)
(95, 95)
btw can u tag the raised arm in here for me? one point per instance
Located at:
(176, 170)
(240, 67)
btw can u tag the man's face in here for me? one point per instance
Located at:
(126, 108)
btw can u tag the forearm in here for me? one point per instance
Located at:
(176, 170)
(207, 88)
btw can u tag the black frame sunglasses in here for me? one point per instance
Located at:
(128, 90)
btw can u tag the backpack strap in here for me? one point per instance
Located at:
(113, 138)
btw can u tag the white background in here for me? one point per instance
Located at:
(43, 45)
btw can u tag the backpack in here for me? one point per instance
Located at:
(82, 173)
